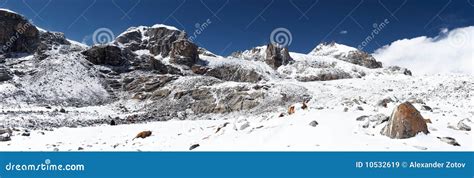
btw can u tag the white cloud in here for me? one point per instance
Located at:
(450, 52)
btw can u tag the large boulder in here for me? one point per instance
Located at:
(184, 52)
(405, 122)
(108, 55)
(276, 56)
(17, 34)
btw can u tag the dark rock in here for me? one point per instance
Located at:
(426, 108)
(25, 134)
(200, 70)
(62, 110)
(449, 140)
(405, 122)
(276, 56)
(384, 102)
(192, 147)
(4, 74)
(108, 55)
(313, 123)
(158, 40)
(53, 38)
(17, 34)
(80, 148)
(184, 52)
(360, 108)
(362, 118)
(112, 122)
(5, 134)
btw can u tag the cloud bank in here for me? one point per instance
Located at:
(449, 52)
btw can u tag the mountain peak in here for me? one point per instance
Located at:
(331, 49)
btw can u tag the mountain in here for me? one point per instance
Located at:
(346, 53)
(148, 74)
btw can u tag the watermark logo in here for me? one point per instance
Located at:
(103, 36)
(377, 28)
(46, 166)
(281, 36)
(458, 38)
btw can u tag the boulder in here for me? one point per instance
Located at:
(17, 34)
(313, 123)
(5, 134)
(449, 140)
(184, 52)
(405, 122)
(108, 55)
(276, 56)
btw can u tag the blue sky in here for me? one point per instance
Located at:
(243, 24)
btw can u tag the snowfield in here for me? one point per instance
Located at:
(449, 96)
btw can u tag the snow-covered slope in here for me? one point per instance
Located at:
(336, 130)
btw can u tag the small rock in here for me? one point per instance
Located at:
(112, 122)
(346, 109)
(56, 149)
(426, 108)
(80, 148)
(449, 140)
(291, 110)
(143, 134)
(360, 108)
(5, 137)
(244, 125)
(384, 102)
(462, 125)
(420, 147)
(62, 110)
(361, 118)
(194, 146)
(25, 134)
(313, 123)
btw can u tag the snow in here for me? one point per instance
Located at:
(7, 10)
(332, 49)
(336, 130)
(164, 26)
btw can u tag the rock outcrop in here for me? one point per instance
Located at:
(277, 56)
(108, 55)
(405, 122)
(184, 52)
(161, 40)
(17, 34)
